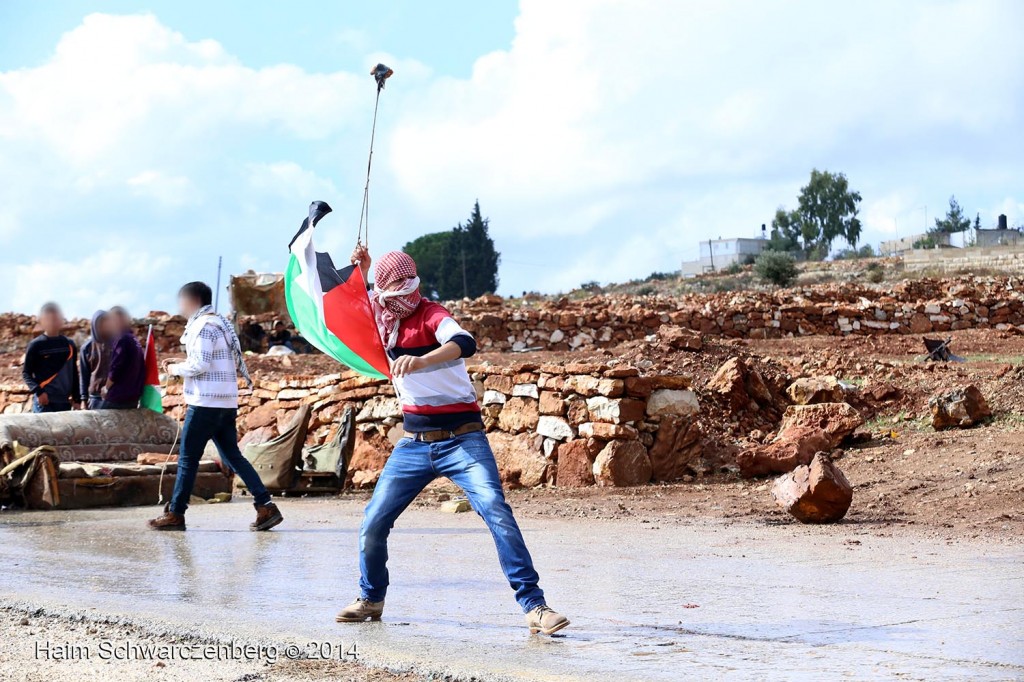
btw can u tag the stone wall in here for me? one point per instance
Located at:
(571, 425)
(1004, 258)
(911, 307)
(575, 424)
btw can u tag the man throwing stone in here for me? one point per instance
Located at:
(444, 437)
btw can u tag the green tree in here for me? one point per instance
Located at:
(430, 252)
(775, 267)
(785, 231)
(955, 220)
(827, 211)
(459, 262)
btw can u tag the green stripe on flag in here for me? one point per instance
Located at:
(307, 320)
(151, 398)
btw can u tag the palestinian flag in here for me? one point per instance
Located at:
(151, 398)
(330, 307)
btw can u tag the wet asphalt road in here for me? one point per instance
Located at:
(701, 601)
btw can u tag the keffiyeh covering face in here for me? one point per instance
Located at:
(394, 302)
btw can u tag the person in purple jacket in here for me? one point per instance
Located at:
(127, 374)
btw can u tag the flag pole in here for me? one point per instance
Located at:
(216, 294)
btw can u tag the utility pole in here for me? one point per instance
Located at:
(711, 254)
(216, 292)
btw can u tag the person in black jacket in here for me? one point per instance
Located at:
(51, 365)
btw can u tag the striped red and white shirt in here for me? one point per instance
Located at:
(440, 397)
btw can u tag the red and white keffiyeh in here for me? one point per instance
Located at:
(394, 303)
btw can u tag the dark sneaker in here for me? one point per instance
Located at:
(168, 521)
(267, 516)
(360, 610)
(545, 621)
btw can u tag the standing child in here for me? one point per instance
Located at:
(212, 363)
(51, 365)
(127, 372)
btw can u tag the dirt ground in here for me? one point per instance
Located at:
(956, 483)
(959, 482)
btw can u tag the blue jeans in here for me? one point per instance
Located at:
(51, 407)
(468, 461)
(203, 424)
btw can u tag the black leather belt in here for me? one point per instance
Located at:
(444, 434)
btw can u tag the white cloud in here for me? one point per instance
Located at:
(605, 143)
(99, 280)
(656, 107)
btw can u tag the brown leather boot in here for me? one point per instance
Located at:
(360, 611)
(267, 516)
(545, 620)
(168, 521)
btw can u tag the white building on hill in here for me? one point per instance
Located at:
(716, 254)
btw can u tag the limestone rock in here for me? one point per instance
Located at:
(672, 402)
(622, 463)
(741, 384)
(815, 493)
(604, 431)
(962, 407)
(371, 453)
(492, 397)
(518, 415)
(554, 427)
(520, 460)
(264, 415)
(378, 408)
(552, 403)
(837, 420)
(794, 447)
(813, 390)
(615, 410)
(456, 506)
(680, 338)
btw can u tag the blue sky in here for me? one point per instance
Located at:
(604, 139)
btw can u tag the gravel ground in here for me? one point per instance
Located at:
(41, 645)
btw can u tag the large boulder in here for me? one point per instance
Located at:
(959, 408)
(677, 450)
(622, 463)
(837, 420)
(576, 462)
(814, 493)
(741, 384)
(368, 459)
(794, 447)
(521, 461)
(813, 390)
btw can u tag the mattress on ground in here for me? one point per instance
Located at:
(91, 435)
